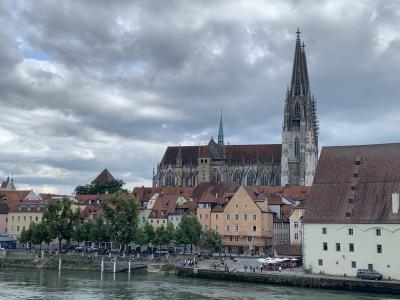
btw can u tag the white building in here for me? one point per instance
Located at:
(352, 220)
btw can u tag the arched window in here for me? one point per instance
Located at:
(264, 179)
(170, 179)
(296, 148)
(251, 178)
(216, 176)
(297, 110)
(237, 177)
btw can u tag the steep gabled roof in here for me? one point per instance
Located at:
(104, 177)
(354, 184)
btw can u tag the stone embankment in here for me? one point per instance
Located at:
(300, 280)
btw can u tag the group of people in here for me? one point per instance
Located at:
(189, 263)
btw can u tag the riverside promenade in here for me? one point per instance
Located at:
(296, 280)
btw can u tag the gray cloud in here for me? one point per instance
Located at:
(93, 84)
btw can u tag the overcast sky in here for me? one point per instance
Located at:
(86, 85)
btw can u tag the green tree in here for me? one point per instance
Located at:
(25, 236)
(100, 188)
(211, 240)
(100, 232)
(170, 233)
(189, 231)
(81, 232)
(60, 220)
(123, 217)
(161, 237)
(150, 233)
(141, 237)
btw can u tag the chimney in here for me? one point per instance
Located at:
(395, 203)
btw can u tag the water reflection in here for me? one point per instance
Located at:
(50, 284)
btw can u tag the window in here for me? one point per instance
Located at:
(379, 248)
(348, 214)
(24, 218)
(337, 247)
(353, 264)
(236, 217)
(320, 263)
(370, 267)
(205, 227)
(201, 161)
(254, 217)
(297, 110)
(201, 217)
(350, 231)
(378, 232)
(237, 176)
(231, 238)
(324, 230)
(249, 238)
(12, 218)
(254, 228)
(216, 227)
(245, 217)
(30, 218)
(37, 218)
(151, 221)
(17, 228)
(351, 247)
(158, 221)
(296, 236)
(237, 205)
(264, 179)
(351, 200)
(296, 224)
(206, 216)
(237, 227)
(163, 221)
(170, 179)
(205, 161)
(216, 216)
(18, 218)
(227, 216)
(325, 246)
(251, 178)
(227, 227)
(23, 227)
(296, 148)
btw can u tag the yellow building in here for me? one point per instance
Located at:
(296, 223)
(20, 220)
(242, 219)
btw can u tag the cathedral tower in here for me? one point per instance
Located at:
(300, 126)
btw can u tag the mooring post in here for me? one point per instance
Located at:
(59, 264)
(115, 266)
(102, 265)
(42, 253)
(129, 266)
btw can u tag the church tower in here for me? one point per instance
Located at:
(300, 126)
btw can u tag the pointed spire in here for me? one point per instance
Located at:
(179, 156)
(221, 132)
(300, 83)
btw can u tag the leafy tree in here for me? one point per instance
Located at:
(25, 236)
(123, 217)
(141, 237)
(170, 233)
(100, 188)
(100, 232)
(60, 220)
(211, 240)
(150, 233)
(161, 237)
(81, 232)
(189, 231)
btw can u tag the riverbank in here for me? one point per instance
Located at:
(309, 281)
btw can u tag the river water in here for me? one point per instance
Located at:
(50, 284)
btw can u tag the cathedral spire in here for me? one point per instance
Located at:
(300, 84)
(221, 132)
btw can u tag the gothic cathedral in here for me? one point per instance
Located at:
(293, 162)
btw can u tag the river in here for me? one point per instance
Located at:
(50, 284)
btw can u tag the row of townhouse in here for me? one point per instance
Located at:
(18, 209)
(249, 219)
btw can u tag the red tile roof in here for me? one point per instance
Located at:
(378, 176)
(164, 205)
(104, 177)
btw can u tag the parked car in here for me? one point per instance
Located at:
(369, 274)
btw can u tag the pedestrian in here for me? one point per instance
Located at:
(280, 269)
